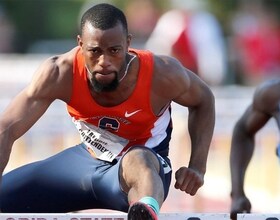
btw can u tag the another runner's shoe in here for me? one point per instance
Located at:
(141, 211)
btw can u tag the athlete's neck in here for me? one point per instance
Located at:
(130, 59)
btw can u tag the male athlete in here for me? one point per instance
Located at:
(265, 105)
(119, 100)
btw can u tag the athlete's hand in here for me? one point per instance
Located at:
(239, 204)
(188, 180)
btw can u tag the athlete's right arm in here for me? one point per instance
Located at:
(31, 103)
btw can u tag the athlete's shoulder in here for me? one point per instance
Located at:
(267, 95)
(168, 64)
(164, 63)
(170, 72)
(65, 59)
(54, 76)
(171, 75)
(59, 62)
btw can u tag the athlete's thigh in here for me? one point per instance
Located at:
(61, 183)
(165, 170)
(107, 188)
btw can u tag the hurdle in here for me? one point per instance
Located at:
(266, 216)
(110, 216)
(123, 216)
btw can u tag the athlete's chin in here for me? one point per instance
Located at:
(110, 87)
(105, 84)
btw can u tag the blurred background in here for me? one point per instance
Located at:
(233, 45)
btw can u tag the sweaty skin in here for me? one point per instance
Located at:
(105, 53)
(264, 106)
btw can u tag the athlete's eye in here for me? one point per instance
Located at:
(95, 51)
(115, 50)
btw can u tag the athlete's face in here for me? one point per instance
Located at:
(105, 55)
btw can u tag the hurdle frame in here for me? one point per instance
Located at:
(110, 216)
(123, 216)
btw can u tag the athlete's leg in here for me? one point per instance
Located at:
(142, 177)
(69, 181)
(61, 183)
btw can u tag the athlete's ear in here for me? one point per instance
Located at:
(128, 41)
(79, 41)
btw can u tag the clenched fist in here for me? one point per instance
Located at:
(188, 180)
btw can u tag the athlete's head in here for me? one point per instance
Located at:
(104, 40)
(103, 17)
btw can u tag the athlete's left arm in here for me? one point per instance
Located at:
(187, 89)
(199, 99)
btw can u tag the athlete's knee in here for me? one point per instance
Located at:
(140, 174)
(139, 156)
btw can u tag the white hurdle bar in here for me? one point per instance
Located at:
(110, 216)
(266, 216)
(123, 216)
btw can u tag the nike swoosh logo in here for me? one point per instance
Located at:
(127, 115)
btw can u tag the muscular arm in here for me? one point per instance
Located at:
(20, 115)
(186, 89)
(264, 105)
(200, 102)
(30, 104)
(242, 145)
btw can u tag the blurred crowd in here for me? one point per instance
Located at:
(244, 49)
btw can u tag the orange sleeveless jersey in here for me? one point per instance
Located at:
(133, 119)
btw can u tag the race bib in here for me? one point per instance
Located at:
(102, 144)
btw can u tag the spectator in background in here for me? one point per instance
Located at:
(142, 16)
(193, 35)
(256, 43)
(7, 33)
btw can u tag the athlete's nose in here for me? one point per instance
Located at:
(104, 61)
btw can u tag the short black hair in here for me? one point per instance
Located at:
(104, 16)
